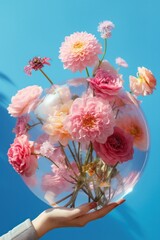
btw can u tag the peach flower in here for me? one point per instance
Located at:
(24, 101)
(134, 124)
(54, 124)
(144, 84)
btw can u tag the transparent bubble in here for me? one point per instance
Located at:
(72, 174)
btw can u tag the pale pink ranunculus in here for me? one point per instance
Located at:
(117, 149)
(133, 123)
(90, 119)
(20, 156)
(144, 84)
(21, 125)
(79, 50)
(24, 101)
(105, 83)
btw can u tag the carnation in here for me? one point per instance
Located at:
(20, 156)
(105, 83)
(79, 50)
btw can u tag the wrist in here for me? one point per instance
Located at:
(41, 224)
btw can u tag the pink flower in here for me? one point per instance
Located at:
(60, 179)
(24, 101)
(117, 149)
(90, 119)
(105, 28)
(35, 64)
(47, 149)
(133, 123)
(121, 62)
(20, 156)
(144, 84)
(79, 51)
(21, 125)
(105, 83)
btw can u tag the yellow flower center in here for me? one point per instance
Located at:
(77, 46)
(88, 121)
(135, 131)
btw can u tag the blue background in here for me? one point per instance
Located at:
(36, 27)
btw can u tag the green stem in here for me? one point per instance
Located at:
(46, 76)
(73, 155)
(67, 160)
(105, 50)
(29, 127)
(87, 72)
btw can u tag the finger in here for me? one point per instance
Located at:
(83, 220)
(83, 209)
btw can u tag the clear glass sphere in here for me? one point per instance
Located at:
(71, 172)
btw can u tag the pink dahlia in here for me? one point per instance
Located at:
(105, 28)
(90, 119)
(20, 156)
(35, 64)
(117, 149)
(24, 101)
(79, 50)
(144, 84)
(105, 83)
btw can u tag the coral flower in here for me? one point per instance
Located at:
(144, 84)
(117, 149)
(35, 64)
(105, 28)
(133, 124)
(24, 101)
(79, 50)
(90, 119)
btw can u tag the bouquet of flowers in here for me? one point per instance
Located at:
(86, 139)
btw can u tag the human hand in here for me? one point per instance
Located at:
(70, 217)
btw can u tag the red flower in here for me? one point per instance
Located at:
(35, 64)
(117, 149)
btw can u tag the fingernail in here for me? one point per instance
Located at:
(93, 205)
(120, 202)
